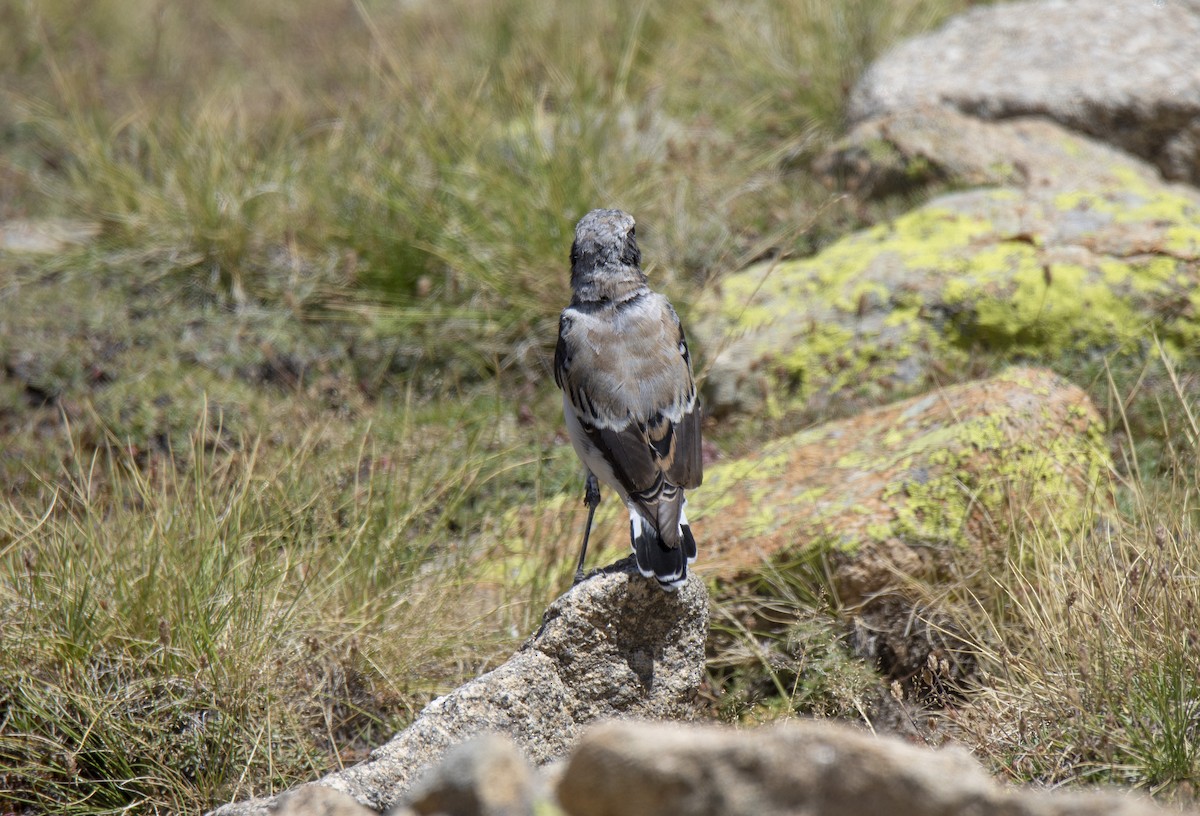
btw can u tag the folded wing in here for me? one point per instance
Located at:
(629, 381)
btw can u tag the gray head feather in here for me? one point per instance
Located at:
(605, 259)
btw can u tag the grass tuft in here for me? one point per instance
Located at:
(779, 649)
(230, 621)
(1091, 668)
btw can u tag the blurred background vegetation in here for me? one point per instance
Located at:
(264, 433)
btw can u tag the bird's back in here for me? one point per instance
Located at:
(626, 363)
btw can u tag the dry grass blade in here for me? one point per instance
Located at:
(1091, 651)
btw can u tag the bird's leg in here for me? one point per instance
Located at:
(591, 497)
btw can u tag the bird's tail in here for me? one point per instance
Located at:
(659, 559)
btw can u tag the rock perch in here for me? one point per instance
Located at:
(615, 645)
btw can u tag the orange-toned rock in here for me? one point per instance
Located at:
(899, 489)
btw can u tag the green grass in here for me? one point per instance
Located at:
(230, 621)
(434, 151)
(264, 438)
(1071, 658)
(778, 650)
(1091, 655)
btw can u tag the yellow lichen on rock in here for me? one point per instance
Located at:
(1090, 253)
(901, 489)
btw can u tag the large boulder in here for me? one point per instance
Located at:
(1055, 264)
(910, 488)
(484, 776)
(615, 645)
(801, 767)
(1121, 70)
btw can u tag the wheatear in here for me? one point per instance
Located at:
(628, 395)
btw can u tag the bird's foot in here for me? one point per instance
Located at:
(591, 492)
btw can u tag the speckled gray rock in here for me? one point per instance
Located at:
(317, 800)
(802, 767)
(484, 776)
(900, 152)
(615, 645)
(1123, 71)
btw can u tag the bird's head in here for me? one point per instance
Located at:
(605, 259)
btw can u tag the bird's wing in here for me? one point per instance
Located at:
(628, 379)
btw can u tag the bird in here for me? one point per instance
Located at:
(629, 398)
